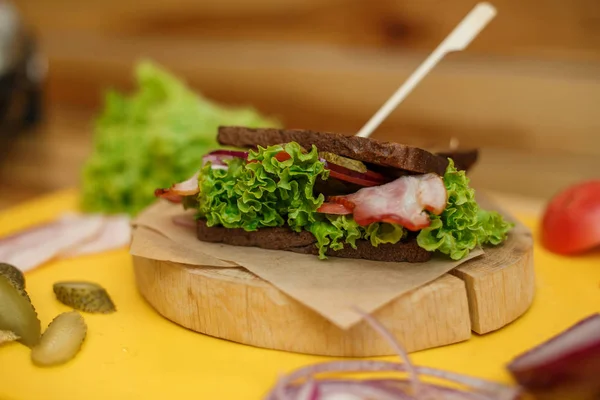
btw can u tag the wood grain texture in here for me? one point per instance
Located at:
(524, 92)
(518, 105)
(235, 305)
(531, 28)
(483, 295)
(519, 113)
(501, 285)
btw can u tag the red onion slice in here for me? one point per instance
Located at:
(402, 353)
(380, 389)
(295, 385)
(231, 153)
(217, 158)
(213, 159)
(568, 361)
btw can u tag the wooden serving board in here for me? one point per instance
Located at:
(482, 295)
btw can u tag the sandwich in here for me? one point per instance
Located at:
(332, 195)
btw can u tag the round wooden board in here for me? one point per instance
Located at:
(482, 295)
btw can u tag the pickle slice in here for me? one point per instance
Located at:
(17, 314)
(61, 341)
(345, 162)
(84, 296)
(13, 274)
(15, 277)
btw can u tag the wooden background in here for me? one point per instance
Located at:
(527, 90)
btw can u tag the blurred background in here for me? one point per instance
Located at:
(526, 92)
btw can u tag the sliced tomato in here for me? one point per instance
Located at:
(376, 176)
(334, 208)
(352, 179)
(282, 156)
(571, 221)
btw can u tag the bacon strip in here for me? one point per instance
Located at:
(334, 208)
(177, 191)
(401, 201)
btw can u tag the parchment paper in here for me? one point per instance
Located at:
(330, 287)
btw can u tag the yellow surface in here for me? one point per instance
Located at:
(136, 354)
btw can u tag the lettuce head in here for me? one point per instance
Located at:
(152, 138)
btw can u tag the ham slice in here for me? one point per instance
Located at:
(174, 194)
(402, 201)
(26, 250)
(115, 233)
(68, 236)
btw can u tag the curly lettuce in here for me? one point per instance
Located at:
(264, 192)
(152, 138)
(338, 231)
(463, 225)
(334, 232)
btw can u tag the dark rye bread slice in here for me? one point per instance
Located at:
(386, 154)
(463, 159)
(282, 238)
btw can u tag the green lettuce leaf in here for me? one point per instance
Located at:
(151, 139)
(264, 192)
(336, 231)
(380, 232)
(463, 225)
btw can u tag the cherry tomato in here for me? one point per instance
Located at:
(571, 221)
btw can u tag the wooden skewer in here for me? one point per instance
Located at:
(457, 40)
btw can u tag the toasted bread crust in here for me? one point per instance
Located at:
(283, 238)
(386, 154)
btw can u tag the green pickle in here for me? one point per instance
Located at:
(17, 314)
(84, 296)
(348, 163)
(61, 341)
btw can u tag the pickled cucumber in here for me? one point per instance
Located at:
(84, 296)
(13, 274)
(345, 162)
(61, 341)
(17, 314)
(15, 277)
